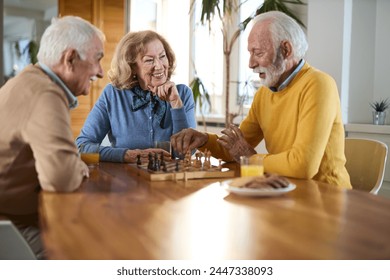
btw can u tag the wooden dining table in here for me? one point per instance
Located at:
(117, 214)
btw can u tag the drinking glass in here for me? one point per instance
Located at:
(90, 155)
(251, 166)
(165, 145)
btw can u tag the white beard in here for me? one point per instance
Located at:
(272, 72)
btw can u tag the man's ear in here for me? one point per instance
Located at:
(69, 58)
(286, 48)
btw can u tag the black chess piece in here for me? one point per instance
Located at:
(151, 161)
(162, 158)
(156, 166)
(139, 159)
(177, 166)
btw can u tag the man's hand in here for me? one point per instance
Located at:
(131, 155)
(187, 140)
(233, 140)
(85, 171)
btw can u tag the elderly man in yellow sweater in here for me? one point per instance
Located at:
(296, 111)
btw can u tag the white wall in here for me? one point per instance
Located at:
(175, 29)
(349, 39)
(362, 64)
(382, 58)
(325, 31)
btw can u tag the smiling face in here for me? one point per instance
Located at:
(88, 69)
(264, 58)
(152, 66)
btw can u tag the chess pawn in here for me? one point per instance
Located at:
(208, 156)
(177, 165)
(162, 160)
(198, 160)
(206, 165)
(187, 159)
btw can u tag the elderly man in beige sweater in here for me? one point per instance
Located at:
(37, 149)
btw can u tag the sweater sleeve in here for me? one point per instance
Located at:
(216, 150)
(184, 117)
(96, 127)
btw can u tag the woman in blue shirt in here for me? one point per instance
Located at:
(141, 106)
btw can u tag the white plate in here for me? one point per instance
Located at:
(256, 192)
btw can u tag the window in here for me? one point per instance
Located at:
(248, 81)
(199, 47)
(208, 58)
(144, 14)
(170, 19)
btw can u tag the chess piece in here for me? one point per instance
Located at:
(187, 159)
(198, 160)
(207, 163)
(164, 166)
(139, 159)
(219, 164)
(156, 166)
(150, 162)
(177, 165)
(162, 158)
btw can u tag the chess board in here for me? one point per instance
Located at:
(183, 173)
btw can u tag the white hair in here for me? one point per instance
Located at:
(68, 32)
(285, 28)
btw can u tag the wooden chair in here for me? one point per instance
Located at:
(12, 244)
(366, 161)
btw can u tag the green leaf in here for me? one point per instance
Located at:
(381, 106)
(200, 92)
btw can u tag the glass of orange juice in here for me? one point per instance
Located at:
(90, 155)
(251, 166)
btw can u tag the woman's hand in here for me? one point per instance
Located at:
(168, 92)
(131, 155)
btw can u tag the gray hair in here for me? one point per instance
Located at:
(285, 28)
(68, 32)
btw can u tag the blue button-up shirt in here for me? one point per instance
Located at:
(73, 102)
(289, 78)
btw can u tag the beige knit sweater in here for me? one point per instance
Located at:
(37, 149)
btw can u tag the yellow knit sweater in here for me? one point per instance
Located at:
(302, 129)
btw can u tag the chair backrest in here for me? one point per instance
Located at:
(366, 161)
(12, 244)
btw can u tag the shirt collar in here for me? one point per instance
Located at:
(142, 98)
(73, 102)
(289, 78)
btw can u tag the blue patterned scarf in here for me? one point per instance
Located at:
(143, 97)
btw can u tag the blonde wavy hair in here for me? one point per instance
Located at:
(123, 64)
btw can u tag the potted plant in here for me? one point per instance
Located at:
(201, 96)
(379, 113)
